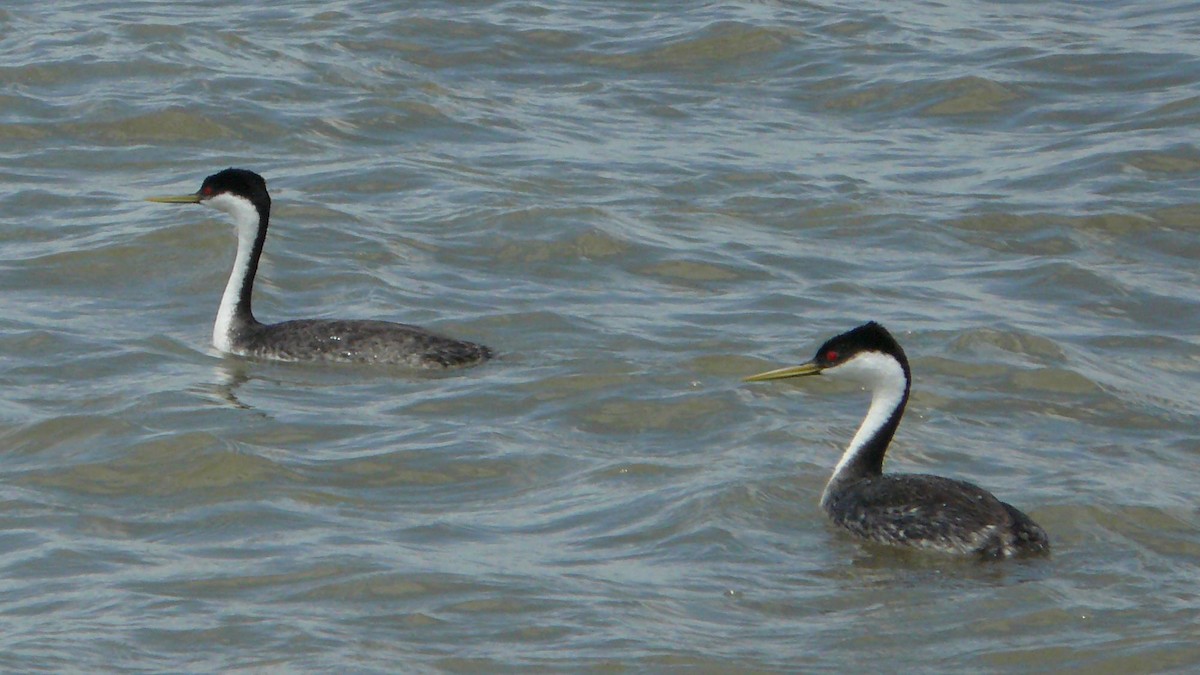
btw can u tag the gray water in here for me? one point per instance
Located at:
(635, 204)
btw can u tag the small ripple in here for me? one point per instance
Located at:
(1021, 343)
(722, 45)
(960, 96)
(168, 466)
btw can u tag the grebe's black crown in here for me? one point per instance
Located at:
(869, 337)
(241, 182)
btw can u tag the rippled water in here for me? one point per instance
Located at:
(636, 204)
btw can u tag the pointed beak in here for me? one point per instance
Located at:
(810, 368)
(176, 199)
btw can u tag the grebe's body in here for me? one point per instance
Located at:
(913, 510)
(243, 195)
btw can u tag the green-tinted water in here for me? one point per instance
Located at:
(636, 205)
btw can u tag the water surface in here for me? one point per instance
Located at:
(636, 204)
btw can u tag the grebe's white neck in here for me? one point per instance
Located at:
(235, 301)
(884, 377)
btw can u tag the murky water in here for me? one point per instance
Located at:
(636, 204)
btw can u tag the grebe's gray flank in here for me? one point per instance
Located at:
(242, 194)
(914, 510)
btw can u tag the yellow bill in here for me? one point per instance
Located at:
(193, 198)
(810, 368)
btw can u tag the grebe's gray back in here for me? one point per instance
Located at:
(914, 510)
(243, 195)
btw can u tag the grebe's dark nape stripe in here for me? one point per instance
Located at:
(242, 194)
(914, 510)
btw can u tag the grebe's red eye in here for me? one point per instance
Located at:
(206, 191)
(831, 356)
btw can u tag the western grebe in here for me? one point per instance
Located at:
(914, 510)
(243, 195)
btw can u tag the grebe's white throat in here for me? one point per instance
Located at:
(245, 220)
(884, 377)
